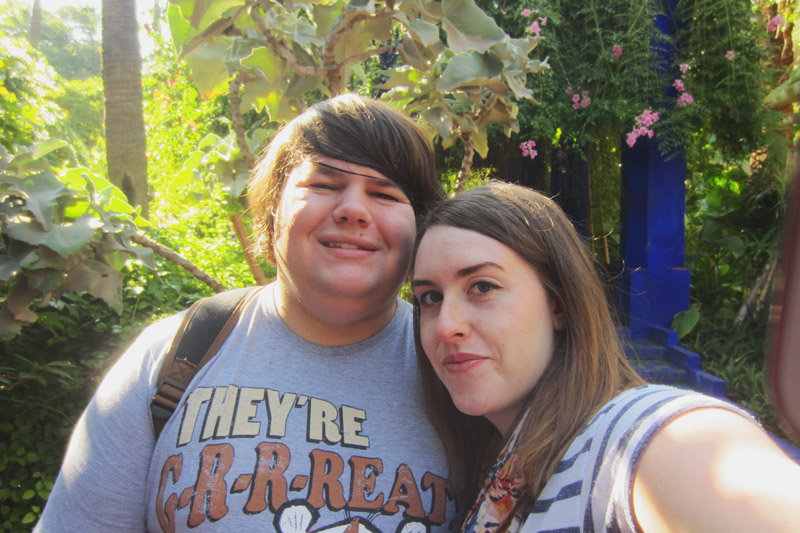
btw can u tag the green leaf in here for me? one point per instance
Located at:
(75, 178)
(267, 62)
(685, 321)
(19, 253)
(518, 87)
(300, 85)
(411, 54)
(325, 16)
(427, 33)
(41, 194)
(733, 244)
(468, 27)
(118, 205)
(45, 147)
(146, 256)
(469, 69)
(361, 37)
(306, 35)
(99, 280)
(45, 279)
(29, 518)
(28, 494)
(179, 27)
(209, 71)
(402, 77)
(66, 239)
(441, 119)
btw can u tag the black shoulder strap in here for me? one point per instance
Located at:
(204, 328)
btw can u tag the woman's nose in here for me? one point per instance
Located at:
(452, 324)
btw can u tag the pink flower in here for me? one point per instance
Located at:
(678, 84)
(684, 67)
(528, 149)
(526, 12)
(775, 23)
(730, 55)
(642, 127)
(581, 100)
(534, 28)
(568, 90)
(685, 99)
(616, 52)
(543, 20)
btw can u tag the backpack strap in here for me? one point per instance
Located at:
(203, 330)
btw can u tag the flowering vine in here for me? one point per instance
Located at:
(642, 128)
(535, 26)
(528, 149)
(579, 100)
(685, 98)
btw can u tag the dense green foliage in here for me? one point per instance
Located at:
(735, 156)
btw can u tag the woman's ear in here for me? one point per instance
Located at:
(557, 314)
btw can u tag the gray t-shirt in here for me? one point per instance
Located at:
(274, 434)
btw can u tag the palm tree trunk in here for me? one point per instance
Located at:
(126, 144)
(35, 31)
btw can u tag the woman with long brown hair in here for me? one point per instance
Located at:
(519, 355)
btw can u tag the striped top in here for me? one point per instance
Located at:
(591, 489)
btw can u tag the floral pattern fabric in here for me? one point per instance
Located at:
(497, 506)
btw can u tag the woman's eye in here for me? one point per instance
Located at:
(482, 287)
(429, 298)
(323, 186)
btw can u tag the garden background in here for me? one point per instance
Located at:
(122, 173)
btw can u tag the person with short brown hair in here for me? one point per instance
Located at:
(310, 416)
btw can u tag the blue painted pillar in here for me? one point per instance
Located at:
(653, 285)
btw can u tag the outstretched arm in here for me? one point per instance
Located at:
(711, 469)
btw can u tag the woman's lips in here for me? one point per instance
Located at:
(461, 362)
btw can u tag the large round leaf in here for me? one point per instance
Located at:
(468, 27)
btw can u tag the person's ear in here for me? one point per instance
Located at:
(557, 314)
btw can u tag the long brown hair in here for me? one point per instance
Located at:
(350, 128)
(588, 367)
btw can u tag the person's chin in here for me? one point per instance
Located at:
(364, 285)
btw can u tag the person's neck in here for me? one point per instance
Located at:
(333, 321)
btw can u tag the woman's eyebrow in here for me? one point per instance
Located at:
(333, 171)
(464, 272)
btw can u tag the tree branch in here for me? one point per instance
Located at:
(282, 51)
(466, 161)
(485, 109)
(369, 53)
(244, 241)
(760, 285)
(175, 257)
